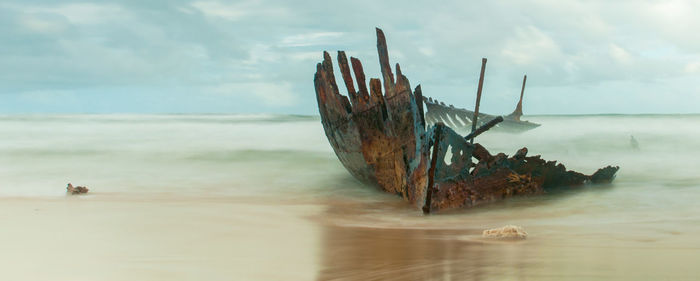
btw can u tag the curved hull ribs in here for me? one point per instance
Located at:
(379, 134)
(461, 119)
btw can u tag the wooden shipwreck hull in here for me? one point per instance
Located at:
(379, 134)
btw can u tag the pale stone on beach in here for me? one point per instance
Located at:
(506, 232)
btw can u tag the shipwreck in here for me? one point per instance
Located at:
(379, 132)
(461, 119)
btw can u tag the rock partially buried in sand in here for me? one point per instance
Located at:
(76, 190)
(510, 232)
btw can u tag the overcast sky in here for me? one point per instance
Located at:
(260, 56)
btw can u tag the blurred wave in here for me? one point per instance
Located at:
(289, 154)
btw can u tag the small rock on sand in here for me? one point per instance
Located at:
(76, 190)
(507, 232)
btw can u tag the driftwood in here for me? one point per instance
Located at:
(381, 138)
(70, 189)
(478, 97)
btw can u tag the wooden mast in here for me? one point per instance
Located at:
(478, 96)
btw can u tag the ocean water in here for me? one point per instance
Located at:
(643, 226)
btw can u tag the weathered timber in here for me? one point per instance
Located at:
(470, 137)
(478, 98)
(382, 139)
(70, 189)
(518, 112)
(494, 178)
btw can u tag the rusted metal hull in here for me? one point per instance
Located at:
(380, 136)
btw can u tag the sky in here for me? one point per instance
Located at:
(259, 56)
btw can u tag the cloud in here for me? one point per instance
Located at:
(48, 97)
(620, 55)
(219, 10)
(692, 67)
(531, 45)
(238, 10)
(310, 39)
(85, 13)
(260, 55)
(43, 23)
(269, 94)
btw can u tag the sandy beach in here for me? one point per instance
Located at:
(122, 237)
(166, 203)
(118, 237)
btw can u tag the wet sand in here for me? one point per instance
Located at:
(169, 237)
(124, 237)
